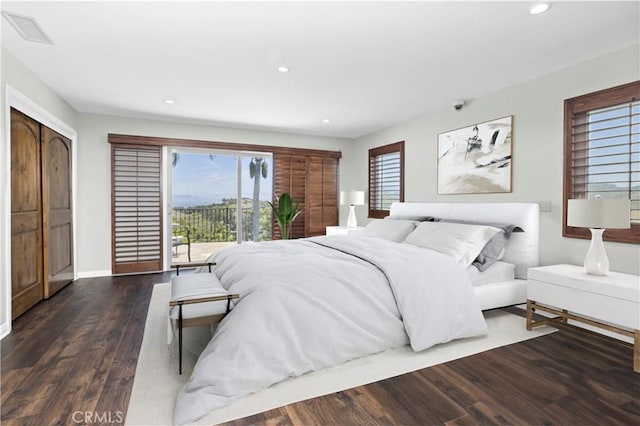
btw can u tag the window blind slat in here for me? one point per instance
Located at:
(385, 178)
(136, 209)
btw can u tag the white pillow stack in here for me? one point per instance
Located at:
(392, 230)
(463, 242)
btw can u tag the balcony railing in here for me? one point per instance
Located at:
(217, 224)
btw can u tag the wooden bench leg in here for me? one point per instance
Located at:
(530, 310)
(636, 351)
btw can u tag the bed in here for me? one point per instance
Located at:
(522, 249)
(314, 303)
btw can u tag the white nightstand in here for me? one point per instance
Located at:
(572, 294)
(343, 230)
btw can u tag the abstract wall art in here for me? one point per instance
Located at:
(476, 159)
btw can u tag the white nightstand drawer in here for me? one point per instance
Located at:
(616, 284)
(608, 309)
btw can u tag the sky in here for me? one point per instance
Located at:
(199, 179)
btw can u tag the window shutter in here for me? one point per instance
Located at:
(386, 178)
(602, 153)
(312, 182)
(321, 196)
(136, 209)
(289, 175)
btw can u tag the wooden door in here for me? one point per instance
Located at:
(27, 284)
(57, 208)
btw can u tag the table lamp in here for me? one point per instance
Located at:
(353, 199)
(598, 214)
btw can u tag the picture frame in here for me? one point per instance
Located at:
(476, 159)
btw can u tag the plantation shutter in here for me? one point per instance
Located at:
(136, 208)
(312, 181)
(289, 175)
(602, 152)
(386, 178)
(322, 195)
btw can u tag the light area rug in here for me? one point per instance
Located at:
(157, 381)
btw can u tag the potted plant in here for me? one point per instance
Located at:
(285, 213)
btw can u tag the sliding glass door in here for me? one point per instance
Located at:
(217, 199)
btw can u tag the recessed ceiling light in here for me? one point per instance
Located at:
(539, 8)
(283, 69)
(169, 101)
(325, 121)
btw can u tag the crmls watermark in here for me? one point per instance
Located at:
(91, 417)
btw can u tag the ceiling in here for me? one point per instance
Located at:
(363, 66)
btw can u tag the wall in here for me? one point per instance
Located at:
(537, 107)
(94, 172)
(20, 88)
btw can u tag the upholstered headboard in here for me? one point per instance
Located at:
(522, 248)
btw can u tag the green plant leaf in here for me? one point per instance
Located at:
(285, 213)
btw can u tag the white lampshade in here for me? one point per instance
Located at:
(352, 198)
(599, 213)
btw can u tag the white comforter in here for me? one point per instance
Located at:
(315, 303)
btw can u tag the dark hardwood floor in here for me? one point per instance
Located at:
(71, 360)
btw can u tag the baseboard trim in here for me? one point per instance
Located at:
(5, 329)
(94, 274)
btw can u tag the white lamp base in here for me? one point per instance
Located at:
(352, 222)
(596, 261)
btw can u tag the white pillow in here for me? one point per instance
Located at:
(463, 242)
(393, 230)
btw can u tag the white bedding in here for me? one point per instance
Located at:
(315, 303)
(497, 272)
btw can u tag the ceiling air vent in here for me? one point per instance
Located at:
(27, 27)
